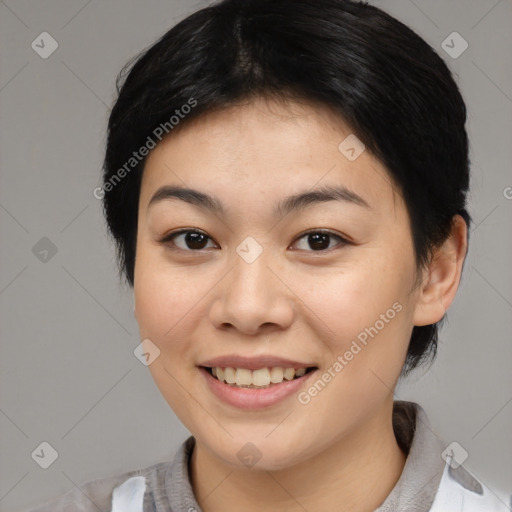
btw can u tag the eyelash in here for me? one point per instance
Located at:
(168, 238)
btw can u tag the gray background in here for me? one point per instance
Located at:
(68, 374)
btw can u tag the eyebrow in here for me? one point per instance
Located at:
(291, 203)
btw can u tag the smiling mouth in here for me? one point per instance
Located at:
(257, 379)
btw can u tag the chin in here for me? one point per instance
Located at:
(260, 453)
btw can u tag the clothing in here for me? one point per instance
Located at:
(427, 482)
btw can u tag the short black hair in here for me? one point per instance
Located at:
(389, 85)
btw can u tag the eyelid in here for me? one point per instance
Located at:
(169, 236)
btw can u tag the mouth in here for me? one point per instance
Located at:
(261, 378)
(257, 388)
(257, 381)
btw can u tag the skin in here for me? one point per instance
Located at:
(338, 451)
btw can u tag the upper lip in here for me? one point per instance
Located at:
(253, 363)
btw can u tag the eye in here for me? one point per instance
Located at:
(320, 240)
(189, 239)
(194, 240)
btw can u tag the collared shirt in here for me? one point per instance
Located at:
(432, 479)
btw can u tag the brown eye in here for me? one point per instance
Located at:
(187, 240)
(320, 241)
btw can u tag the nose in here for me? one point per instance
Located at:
(253, 298)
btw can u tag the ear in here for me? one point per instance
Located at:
(442, 276)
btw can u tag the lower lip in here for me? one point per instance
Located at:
(245, 398)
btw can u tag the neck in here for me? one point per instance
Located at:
(355, 474)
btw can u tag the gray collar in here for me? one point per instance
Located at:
(420, 478)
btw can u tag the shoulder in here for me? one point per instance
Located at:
(460, 491)
(453, 489)
(96, 495)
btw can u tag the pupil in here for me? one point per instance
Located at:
(317, 239)
(193, 240)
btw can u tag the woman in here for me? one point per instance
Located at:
(286, 184)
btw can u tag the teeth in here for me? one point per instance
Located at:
(261, 378)
(243, 377)
(300, 372)
(229, 375)
(276, 375)
(289, 373)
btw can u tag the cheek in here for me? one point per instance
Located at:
(164, 297)
(164, 301)
(365, 315)
(352, 299)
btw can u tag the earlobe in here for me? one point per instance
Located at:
(442, 276)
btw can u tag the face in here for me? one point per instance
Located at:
(322, 283)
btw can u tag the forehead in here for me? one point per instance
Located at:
(267, 148)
